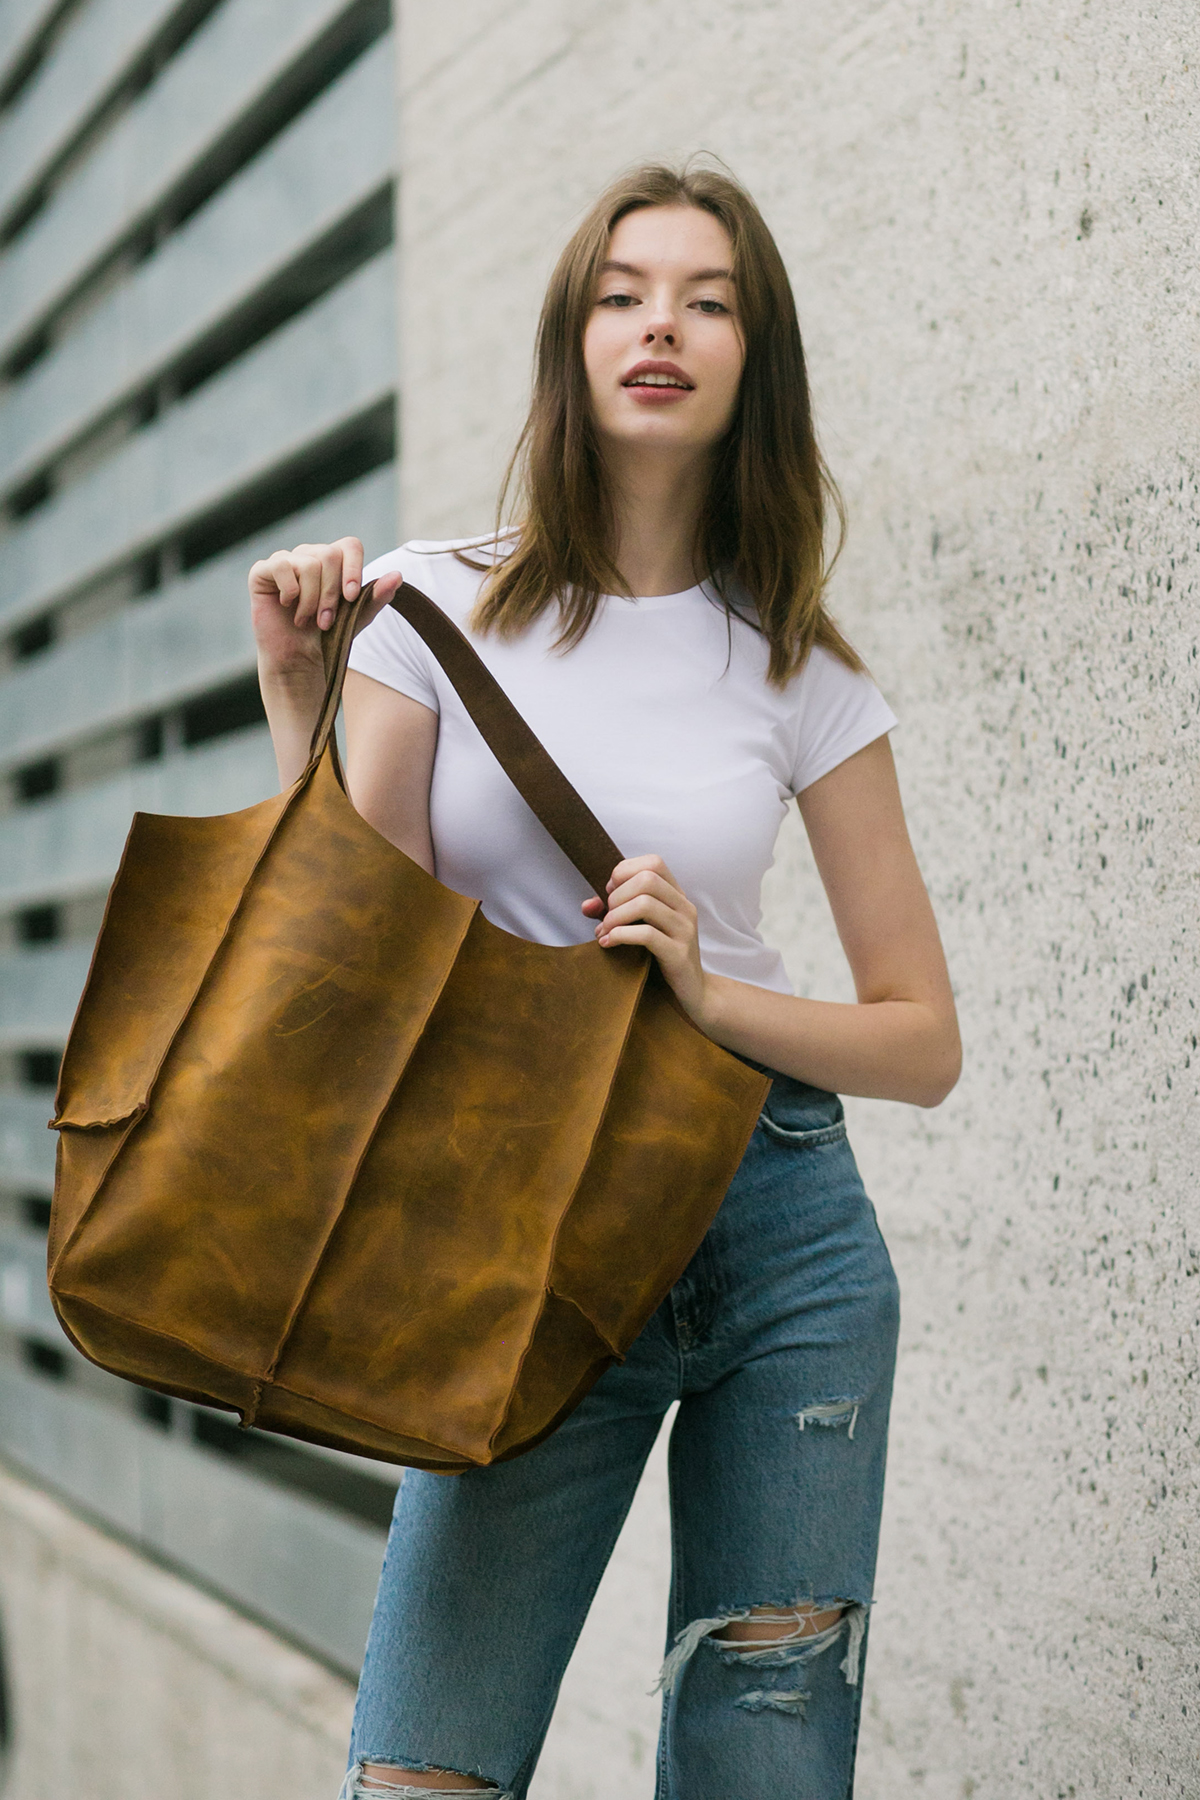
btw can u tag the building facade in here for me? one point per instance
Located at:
(197, 364)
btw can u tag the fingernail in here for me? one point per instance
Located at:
(325, 619)
(350, 587)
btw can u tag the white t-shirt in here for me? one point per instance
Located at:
(662, 718)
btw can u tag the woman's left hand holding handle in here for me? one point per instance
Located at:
(294, 597)
(647, 906)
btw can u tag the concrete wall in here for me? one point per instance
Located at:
(217, 1706)
(989, 214)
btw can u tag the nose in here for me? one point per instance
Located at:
(661, 327)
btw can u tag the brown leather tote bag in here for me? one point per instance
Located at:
(341, 1156)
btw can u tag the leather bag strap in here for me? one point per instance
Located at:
(527, 763)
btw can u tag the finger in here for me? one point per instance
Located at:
(275, 572)
(352, 565)
(331, 585)
(645, 935)
(309, 573)
(644, 910)
(646, 882)
(593, 906)
(635, 865)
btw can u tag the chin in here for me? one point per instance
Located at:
(670, 434)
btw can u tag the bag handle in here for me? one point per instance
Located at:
(525, 760)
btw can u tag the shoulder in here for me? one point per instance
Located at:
(389, 649)
(450, 571)
(825, 673)
(838, 710)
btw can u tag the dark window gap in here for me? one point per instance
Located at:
(39, 1068)
(150, 737)
(34, 637)
(36, 51)
(30, 495)
(36, 780)
(30, 351)
(333, 1484)
(146, 572)
(354, 31)
(39, 924)
(155, 1408)
(35, 1211)
(45, 1359)
(222, 710)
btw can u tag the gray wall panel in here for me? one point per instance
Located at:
(194, 635)
(218, 76)
(39, 991)
(24, 1297)
(83, 66)
(26, 1147)
(73, 845)
(339, 151)
(326, 366)
(70, 1441)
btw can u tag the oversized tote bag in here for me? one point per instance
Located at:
(338, 1154)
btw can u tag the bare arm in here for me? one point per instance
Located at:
(900, 1041)
(390, 745)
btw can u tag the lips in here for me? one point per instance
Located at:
(656, 376)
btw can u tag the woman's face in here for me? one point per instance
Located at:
(662, 347)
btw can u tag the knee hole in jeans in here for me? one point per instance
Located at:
(393, 1783)
(772, 1624)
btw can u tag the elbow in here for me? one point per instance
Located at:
(940, 1078)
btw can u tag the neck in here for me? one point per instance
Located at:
(656, 502)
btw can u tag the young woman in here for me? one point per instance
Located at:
(657, 616)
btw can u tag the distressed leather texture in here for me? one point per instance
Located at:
(341, 1156)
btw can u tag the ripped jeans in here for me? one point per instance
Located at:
(779, 1344)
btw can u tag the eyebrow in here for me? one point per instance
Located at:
(623, 268)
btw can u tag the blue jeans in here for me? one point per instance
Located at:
(779, 1344)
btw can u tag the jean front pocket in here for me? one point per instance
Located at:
(807, 1137)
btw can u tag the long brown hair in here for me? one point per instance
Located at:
(762, 527)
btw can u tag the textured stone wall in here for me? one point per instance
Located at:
(218, 1709)
(988, 209)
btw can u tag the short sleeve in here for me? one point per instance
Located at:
(389, 650)
(840, 711)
